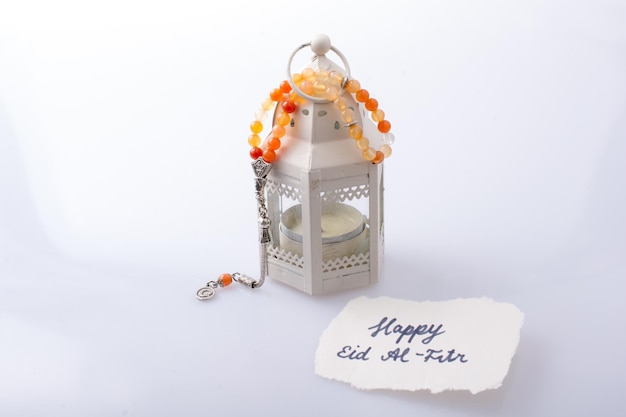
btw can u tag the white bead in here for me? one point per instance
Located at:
(320, 44)
(260, 115)
(388, 138)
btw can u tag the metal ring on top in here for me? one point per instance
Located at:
(293, 85)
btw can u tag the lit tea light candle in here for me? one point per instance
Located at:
(343, 230)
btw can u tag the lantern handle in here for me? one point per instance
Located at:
(320, 45)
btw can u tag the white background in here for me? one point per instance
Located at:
(125, 185)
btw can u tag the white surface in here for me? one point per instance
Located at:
(124, 184)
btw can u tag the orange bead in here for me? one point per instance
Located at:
(308, 74)
(321, 74)
(254, 140)
(371, 104)
(256, 127)
(378, 115)
(362, 96)
(378, 158)
(256, 152)
(340, 104)
(356, 132)
(296, 78)
(288, 106)
(353, 86)
(369, 154)
(307, 87)
(269, 156)
(283, 119)
(285, 86)
(225, 280)
(384, 126)
(363, 144)
(319, 88)
(276, 94)
(347, 115)
(278, 131)
(296, 98)
(273, 143)
(335, 77)
(331, 93)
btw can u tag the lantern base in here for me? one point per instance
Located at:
(333, 276)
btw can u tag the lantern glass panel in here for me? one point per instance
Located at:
(345, 215)
(283, 199)
(342, 218)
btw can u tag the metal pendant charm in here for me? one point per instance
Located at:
(207, 292)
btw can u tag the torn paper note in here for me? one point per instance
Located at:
(387, 343)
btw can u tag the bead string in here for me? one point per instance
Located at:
(327, 85)
(287, 98)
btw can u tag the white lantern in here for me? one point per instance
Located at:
(319, 180)
(324, 200)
